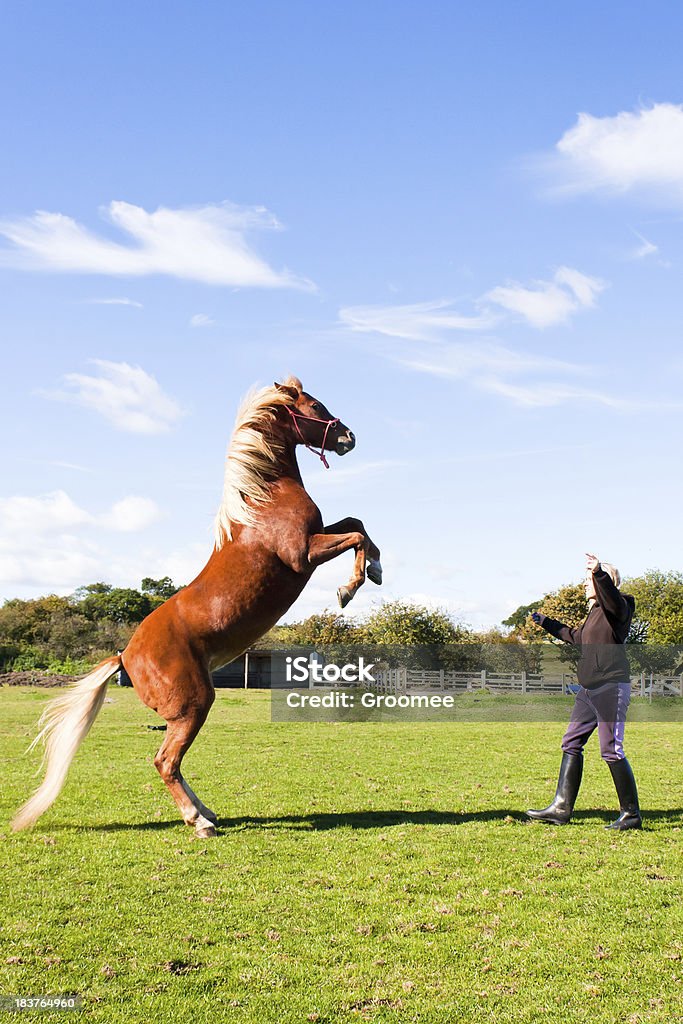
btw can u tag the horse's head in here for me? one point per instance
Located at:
(313, 425)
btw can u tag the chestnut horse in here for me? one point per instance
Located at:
(269, 538)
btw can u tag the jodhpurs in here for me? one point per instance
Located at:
(603, 708)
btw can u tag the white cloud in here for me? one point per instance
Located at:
(421, 321)
(207, 244)
(56, 512)
(131, 514)
(115, 302)
(547, 303)
(127, 396)
(455, 607)
(182, 565)
(48, 513)
(201, 320)
(631, 150)
(54, 568)
(50, 543)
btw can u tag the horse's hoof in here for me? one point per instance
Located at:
(344, 595)
(373, 571)
(205, 831)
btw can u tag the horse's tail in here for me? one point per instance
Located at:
(65, 724)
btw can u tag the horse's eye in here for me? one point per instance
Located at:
(315, 407)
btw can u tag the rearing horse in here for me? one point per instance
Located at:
(269, 538)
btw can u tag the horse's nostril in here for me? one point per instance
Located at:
(352, 435)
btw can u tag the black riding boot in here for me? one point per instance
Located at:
(625, 785)
(560, 810)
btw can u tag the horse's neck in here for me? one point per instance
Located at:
(288, 466)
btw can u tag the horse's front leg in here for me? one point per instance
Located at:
(374, 566)
(323, 547)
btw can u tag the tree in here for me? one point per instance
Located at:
(418, 636)
(499, 653)
(120, 604)
(318, 630)
(400, 622)
(163, 588)
(659, 605)
(51, 631)
(87, 589)
(568, 604)
(520, 616)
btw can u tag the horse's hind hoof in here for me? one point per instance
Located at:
(373, 571)
(344, 595)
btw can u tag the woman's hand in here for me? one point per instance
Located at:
(536, 616)
(592, 562)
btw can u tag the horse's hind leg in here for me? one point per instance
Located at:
(179, 736)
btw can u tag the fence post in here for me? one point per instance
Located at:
(483, 679)
(524, 681)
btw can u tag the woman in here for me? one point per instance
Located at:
(603, 696)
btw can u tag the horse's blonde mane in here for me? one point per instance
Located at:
(251, 459)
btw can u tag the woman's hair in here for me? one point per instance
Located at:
(612, 572)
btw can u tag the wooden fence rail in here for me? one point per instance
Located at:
(407, 680)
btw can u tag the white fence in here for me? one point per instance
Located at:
(408, 680)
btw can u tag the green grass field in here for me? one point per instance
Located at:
(377, 872)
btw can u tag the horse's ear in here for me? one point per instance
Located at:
(287, 390)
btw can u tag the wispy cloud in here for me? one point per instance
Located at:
(517, 453)
(547, 393)
(201, 320)
(69, 465)
(646, 248)
(127, 396)
(421, 321)
(339, 475)
(431, 338)
(547, 303)
(114, 302)
(459, 360)
(632, 150)
(208, 244)
(542, 304)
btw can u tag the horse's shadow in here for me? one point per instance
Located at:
(323, 822)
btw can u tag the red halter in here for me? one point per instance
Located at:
(312, 419)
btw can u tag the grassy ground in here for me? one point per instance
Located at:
(376, 872)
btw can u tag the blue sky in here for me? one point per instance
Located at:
(459, 225)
